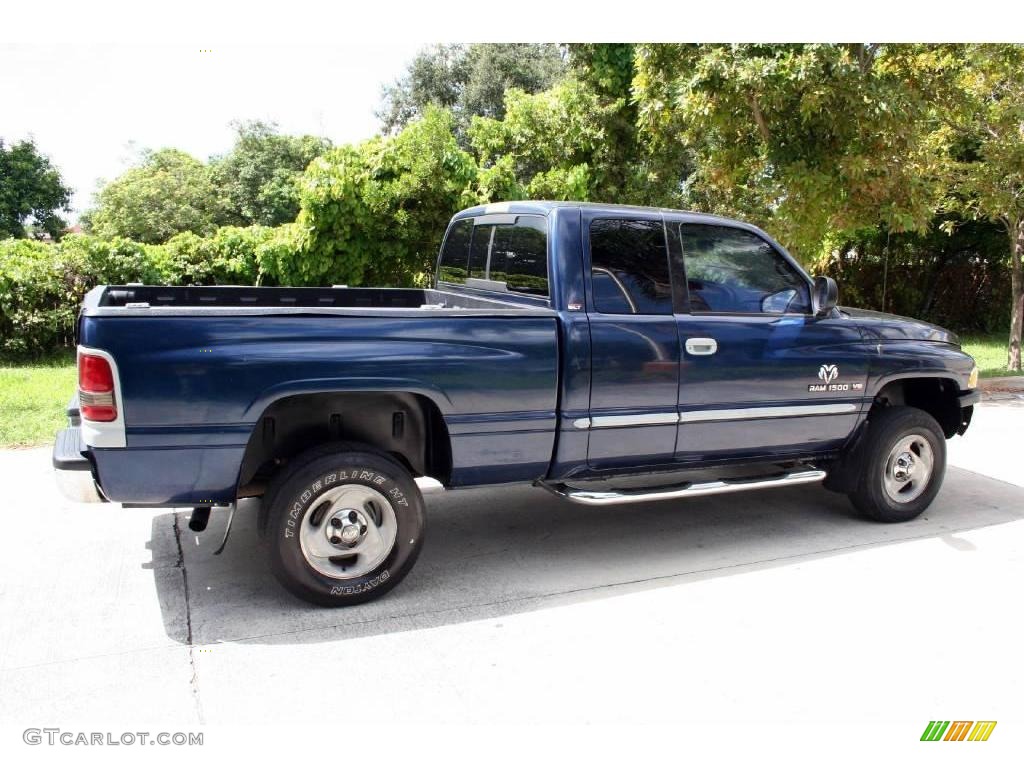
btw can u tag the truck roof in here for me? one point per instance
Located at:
(543, 207)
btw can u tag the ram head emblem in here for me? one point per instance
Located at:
(828, 373)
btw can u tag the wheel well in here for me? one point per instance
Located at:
(936, 396)
(406, 426)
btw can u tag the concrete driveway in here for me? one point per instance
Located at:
(524, 609)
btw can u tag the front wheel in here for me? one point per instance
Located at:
(901, 465)
(344, 526)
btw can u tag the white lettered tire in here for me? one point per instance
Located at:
(345, 525)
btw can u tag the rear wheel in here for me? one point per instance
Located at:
(901, 465)
(344, 526)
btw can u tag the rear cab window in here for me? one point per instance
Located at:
(453, 266)
(508, 252)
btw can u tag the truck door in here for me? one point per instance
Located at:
(760, 375)
(634, 341)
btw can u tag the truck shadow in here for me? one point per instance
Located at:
(490, 553)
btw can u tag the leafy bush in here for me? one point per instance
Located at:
(117, 261)
(233, 252)
(43, 284)
(39, 295)
(228, 257)
(375, 213)
(277, 254)
(959, 280)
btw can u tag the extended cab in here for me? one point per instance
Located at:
(605, 353)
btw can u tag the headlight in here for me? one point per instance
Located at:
(972, 380)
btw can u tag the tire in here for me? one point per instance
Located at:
(345, 525)
(899, 466)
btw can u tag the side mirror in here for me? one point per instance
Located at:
(826, 294)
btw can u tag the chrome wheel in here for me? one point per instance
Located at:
(347, 531)
(908, 468)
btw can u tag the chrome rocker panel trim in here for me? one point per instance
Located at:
(720, 414)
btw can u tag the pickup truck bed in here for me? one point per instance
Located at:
(199, 366)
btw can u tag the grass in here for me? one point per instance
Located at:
(989, 352)
(32, 399)
(33, 395)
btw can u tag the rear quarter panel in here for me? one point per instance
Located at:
(194, 387)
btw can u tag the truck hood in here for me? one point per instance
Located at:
(881, 326)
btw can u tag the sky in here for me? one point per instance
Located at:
(92, 108)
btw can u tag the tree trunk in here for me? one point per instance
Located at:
(1016, 293)
(932, 284)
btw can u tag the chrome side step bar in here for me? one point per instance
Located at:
(604, 498)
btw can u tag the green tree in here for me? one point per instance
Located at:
(435, 77)
(374, 214)
(170, 192)
(982, 103)
(574, 141)
(470, 80)
(810, 139)
(550, 145)
(496, 67)
(634, 171)
(31, 191)
(259, 179)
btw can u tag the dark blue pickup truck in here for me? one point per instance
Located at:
(608, 354)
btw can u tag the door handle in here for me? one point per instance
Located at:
(701, 346)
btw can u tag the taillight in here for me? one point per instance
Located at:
(96, 389)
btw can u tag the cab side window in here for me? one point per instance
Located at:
(629, 267)
(733, 270)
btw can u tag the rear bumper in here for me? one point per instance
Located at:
(73, 469)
